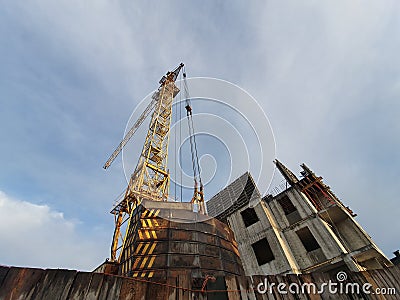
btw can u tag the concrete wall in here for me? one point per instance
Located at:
(285, 244)
(343, 242)
(246, 236)
(336, 240)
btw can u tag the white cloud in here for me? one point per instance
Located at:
(36, 235)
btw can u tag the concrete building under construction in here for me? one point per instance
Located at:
(304, 228)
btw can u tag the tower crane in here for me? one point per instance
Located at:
(150, 179)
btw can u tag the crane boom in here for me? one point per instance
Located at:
(132, 131)
(173, 75)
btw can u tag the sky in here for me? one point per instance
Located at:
(326, 74)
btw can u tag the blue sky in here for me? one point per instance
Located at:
(326, 73)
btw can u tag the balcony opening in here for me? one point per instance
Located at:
(307, 239)
(291, 212)
(249, 216)
(263, 252)
(287, 205)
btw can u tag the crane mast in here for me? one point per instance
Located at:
(150, 179)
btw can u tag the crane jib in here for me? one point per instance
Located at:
(173, 75)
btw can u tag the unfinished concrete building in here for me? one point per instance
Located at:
(304, 228)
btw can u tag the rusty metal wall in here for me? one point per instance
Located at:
(30, 283)
(189, 243)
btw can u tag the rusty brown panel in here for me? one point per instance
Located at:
(10, 280)
(231, 285)
(49, 287)
(172, 292)
(160, 261)
(206, 228)
(214, 273)
(30, 279)
(183, 247)
(111, 268)
(395, 273)
(179, 260)
(257, 279)
(180, 225)
(162, 234)
(95, 286)
(382, 279)
(110, 287)
(226, 244)
(361, 278)
(174, 273)
(394, 282)
(20, 283)
(244, 285)
(231, 267)
(206, 238)
(209, 250)
(307, 278)
(224, 232)
(218, 224)
(238, 260)
(185, 282)
(3, 273)
(319, 278)
(275, 293)
(228, 255)
(161, 247)
(80, 286)
(286, 282)
(210, 263)
(294, 278)
(157, 292)
(181, 235)
(210, 221)
(132, 290)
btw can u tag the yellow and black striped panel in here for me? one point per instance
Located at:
(160, 246)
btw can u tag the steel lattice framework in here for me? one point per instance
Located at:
(150, 180)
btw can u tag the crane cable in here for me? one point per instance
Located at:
(180, 141)
(192, 138)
